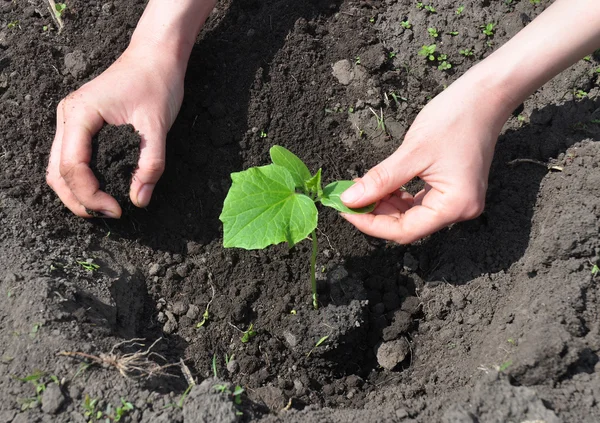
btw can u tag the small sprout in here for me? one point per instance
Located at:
(350, 110)
(460, 9)
(467, 52)
(488, 29)
(511, 341)
(277, 202)
(595, 270)
(372, 19)
(318, 344)
(391, 55)
(453, 33)
(588, 58)
(505, 366)
(597, 70)
(406, 24)
(89, 406)
(87, 265)
(13, 25)
(430, 9)
(428, 51)
(34, 330)
(581, 94)
(444, 66)
(45, 28)
(535, 2)
(60, 9)
(419, 5)
(237, 394)
(433, 32)
(248, 334)
(293, 312)
(357, 60)
(214, 364)
(380, 119)
(263, 133)
(521, 118)
(206, 315)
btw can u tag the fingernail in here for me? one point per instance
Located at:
(109, 213)
(354, 193)
(144, 195)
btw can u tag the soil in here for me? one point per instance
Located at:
(492, 320)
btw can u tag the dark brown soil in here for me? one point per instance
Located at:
(492, 320)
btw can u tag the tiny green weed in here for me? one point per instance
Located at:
(248, 334)
(453, 33)
(580, 94)
(419, 5)
(504, 366)
(430, 9)
(488, 29)
(595, 270)
(318, 344)
(588, 58)
(460, 10)
(206, 314)
(87, 265)
(444, 66)
(263, 134)
(59, 9)
(13, 25)
(406, 24)
(391, 55)
(357, 60)
(428, 51)
(433, 32)
(535, 2)
(467, 52)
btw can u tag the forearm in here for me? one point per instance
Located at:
(170, 27)
(561, 35)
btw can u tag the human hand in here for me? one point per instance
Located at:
(142, 88)
(450, 146)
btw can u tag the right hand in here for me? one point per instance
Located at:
(143, 88)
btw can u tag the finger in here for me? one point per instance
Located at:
(151, 166)
(80, 124)
(381, 180)
(419, 196)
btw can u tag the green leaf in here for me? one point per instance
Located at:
(313, 185)
(262, 208)
(331, 198)
(284, 157)
(320, 341)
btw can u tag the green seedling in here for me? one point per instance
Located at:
(488, 29)
(588, 58)
(419, 5)
(467, 52)
(39, 380)
(271, 204)
(534, 2)
(248, 334)
(430, 9)
(460, 9)
(453, 33)
(89, 407)
(206, 315)
(45, 28)
(391, 55)
(397, 98)
(428, 51)
(444, 66)
(406, 24)
(318, 344)
(60, 9)
(597, 70)
(357, 60)
(263, 133)
(581, 94)
(433, 32)
(372, 19)
(214, 366)
(88, 266)
(505, 366)
(595, 270)
(119, 412)
(13, 25)
(236, 394)
(34, 330)
(380, 119)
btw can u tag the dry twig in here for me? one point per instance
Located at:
(57, 18)
(130, 365)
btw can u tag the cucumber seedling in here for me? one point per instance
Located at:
(270, 204)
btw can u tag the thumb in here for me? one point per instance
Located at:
(150, 168)
(386, 177)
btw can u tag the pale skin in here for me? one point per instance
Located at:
(144, 87)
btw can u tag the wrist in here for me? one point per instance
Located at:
(169, 28)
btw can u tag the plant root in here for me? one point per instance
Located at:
(132, 365)
(537, 162)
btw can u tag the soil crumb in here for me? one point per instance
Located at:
(115, 154)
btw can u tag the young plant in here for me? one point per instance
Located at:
(59, 9)
(488, 29)
(453, 33)
(444, 66)
(433, 32)
(419, 5)
(428, 52)
(534, 2)
(406, 24)
(430, 9)
(460, 9)
(467, 52)
(248, 334)
(271, 204)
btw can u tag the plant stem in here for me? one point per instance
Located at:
(313, 263)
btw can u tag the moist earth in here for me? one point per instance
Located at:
(494, 320)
